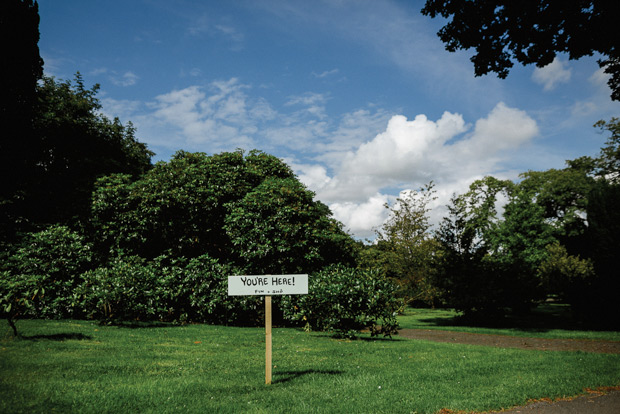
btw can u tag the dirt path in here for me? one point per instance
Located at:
(505, 341)
(595, 402)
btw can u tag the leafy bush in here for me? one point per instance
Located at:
(165, 289)
(19, 295)
(568, 276)
(128, 288)
(199, 292)
(344, 300)
(48, 262)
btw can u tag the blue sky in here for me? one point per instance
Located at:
(359, 97)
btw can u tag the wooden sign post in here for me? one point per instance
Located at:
(268, 364)
(267, 285)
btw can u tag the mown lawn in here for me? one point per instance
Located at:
(80, 366)
(551, 321)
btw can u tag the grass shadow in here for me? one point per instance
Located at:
(140, 324)
(57, 337)
(543, 318)
(393, 338)
(292, 375)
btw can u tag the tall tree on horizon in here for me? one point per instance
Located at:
(21, 67)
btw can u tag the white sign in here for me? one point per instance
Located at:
(267, 285)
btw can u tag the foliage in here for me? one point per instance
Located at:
(529, 32)
(249, 210)
(77, 145)
(180, 205)
(278, 228)
(604, 240)
(567, 276)
(40, 275)
(563, 196)
(489, 264)
(518, 248)
(408, 245)
(20, 70)
(607, 164)
(73, 145)
(164, 289)
(127, 289)
(19, 295)
(470, 282)
(344, 300)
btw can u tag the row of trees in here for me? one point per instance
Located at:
(505, 246)
(90, 228)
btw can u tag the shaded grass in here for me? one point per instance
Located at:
(549, 320)
(79, 366)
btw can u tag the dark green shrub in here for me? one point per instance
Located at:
(51, 260)
(344, 300)
(165, 289)
(200, 293)
(129, 288)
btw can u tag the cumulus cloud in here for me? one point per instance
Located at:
(362, 219)
(552, 75)
(411, 153)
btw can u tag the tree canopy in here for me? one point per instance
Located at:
(530, 32)
(72, 144)
(249, 209)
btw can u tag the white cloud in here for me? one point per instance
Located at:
(362, 219)
(600, 78)
(204, 25)
(313, 176)
(127, 79)
(598, 105)
(411, 153)
(325, 74)
(552, 75)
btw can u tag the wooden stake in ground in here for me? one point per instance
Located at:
(267, 285)
(267, 340)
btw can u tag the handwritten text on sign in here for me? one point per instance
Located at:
(267, 285)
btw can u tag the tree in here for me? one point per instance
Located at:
(518, 248)
(73, 145)
(78, 144)
(562, 194)
(470, 282)
(178, 207)
(21, 67)
(530, 32)
(409, 244)
(278, 228)
(489, 263)
(607, 164)
(604, 237)
(247, 209)
(569, 277)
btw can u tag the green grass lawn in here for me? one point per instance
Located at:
(80, 366)
(546, 321)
